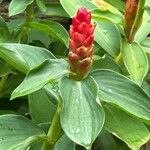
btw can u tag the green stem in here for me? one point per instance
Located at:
(25, 28)
(138, 20)
(29, 14)
(119, 59)
(2, 83)
(55, 131)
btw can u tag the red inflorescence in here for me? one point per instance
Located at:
(81, 42)
(130, 13)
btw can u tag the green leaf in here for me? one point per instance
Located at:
(119, 90)
(147, 8)
(48, 71)
(107, 15)
(71, 6)
(18, 6)
(3, 112)
(23, 57)
(39, 38)
(55, 9)
(106, 11)
(1, 1)
(13, 81)
(144, 29)
(64, 143)
(103, 12)
(17, 132)
(39, 105)
(41, 5)
(14, 59)
(14, 24)
(106, 141)
(130, 130)
(146, 47)
(4, 69)
(45, 127)
(4, 32)
(52, 91)
(104, 32)
(82, 118)
(135, 61)
(146, 42)
(105, 62)
(54, 29)
(117, 3)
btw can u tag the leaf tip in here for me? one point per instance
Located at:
(13, 96)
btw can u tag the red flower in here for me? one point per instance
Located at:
(81, 43)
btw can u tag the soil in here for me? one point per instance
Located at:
(4, 9)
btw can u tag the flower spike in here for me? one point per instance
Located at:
(130, 14)
(81, 43)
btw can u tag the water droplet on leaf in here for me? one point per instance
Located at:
(105, 31)
(109, 90)
(75, 130)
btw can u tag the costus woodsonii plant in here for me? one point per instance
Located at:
(74, 75)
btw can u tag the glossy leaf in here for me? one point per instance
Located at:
(14, 23)
(104, 12)
(125, 127)
(13, 80)
(18, 6)
(41, 5)
(136, 61)
(147, 8)
(45, 127)
(71, 6)
(23, 57)
(107, 11)
(104, 32)
(4, 69)
(105, 62)
(106, 141)
(49, 71)
(146, 42)
(4, 32)
(82, 117)
(146, 46)
(55, 9)
(144, 29)
(52, 91)
(107, 15)
(18, 132)
(119, 90)
(117, 3)
(41, 108)
(53, 29)
(14, 59)
(36, 37)
(64, 143)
